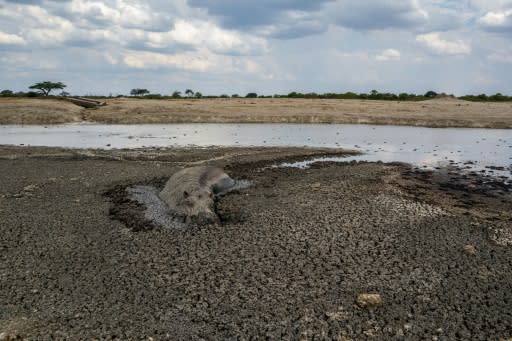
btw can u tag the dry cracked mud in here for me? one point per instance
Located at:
(309, 244)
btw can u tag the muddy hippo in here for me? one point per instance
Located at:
(191, 192)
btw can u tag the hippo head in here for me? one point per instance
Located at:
(197, 205)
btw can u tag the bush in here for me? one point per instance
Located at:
(6, 93)
(251, 95)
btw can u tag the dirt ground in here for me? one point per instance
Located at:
(444, 112)
(289, 260)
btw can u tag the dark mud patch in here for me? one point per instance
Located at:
(150, 212)
(471, 193)
(128, 211)
(485, 200)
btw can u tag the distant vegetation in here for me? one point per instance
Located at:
(484, 98)
(139, 92)
(46, 87)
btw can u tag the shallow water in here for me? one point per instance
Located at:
(422, 147)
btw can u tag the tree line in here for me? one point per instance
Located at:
(46, 87)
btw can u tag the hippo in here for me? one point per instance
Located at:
(191, 192)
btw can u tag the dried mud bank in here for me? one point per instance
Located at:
(295, 256)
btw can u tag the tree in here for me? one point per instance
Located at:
(66, 94)
(235, 95)
(176, 94)
(6, 93)
(198, 95)
(139, 92)
(46, 86)
(251, 95)
(430, 94)
(189, 92)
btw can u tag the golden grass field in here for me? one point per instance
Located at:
(445, 112)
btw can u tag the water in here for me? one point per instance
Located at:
(422, 147)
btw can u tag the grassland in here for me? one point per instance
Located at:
(444, 112)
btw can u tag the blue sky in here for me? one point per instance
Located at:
(100, 47)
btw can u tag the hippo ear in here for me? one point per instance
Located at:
(186, 194)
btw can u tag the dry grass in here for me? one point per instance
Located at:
(38, 111)
(432, 113)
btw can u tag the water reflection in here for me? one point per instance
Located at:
(417, 145)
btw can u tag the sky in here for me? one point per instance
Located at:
(102, 47)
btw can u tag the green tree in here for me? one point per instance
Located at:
(235, 96)
(189, 92)
(430, 94)
(46, 87)
(6, 93)
(198, 95)
(139, 92)
(176, 94)
(251, 95)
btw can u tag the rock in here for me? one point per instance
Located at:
(369, 300)
(469, 249)
(316, 185)
(29, 188)
(8, 337)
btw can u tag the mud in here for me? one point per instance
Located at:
(305, 246)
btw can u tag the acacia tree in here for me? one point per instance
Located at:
(47, 86)
(189, 92)
(139, 92)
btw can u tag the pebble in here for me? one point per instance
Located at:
(469, 249)
(370, 301)
(8, 337)
(29, 188)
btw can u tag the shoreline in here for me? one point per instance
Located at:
(435, 113)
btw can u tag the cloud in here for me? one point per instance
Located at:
(378, 14)
(388, 55)
(443, 47)
(497, 21)
(281, 19)
(250, 14)
(11, 39)
(500, 57)
(201, 61)
(120, 13)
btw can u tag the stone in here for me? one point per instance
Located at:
(8, 337)
(369, 300)
(469, 249)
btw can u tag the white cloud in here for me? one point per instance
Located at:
(497, 20)
(184, 61)
(202, 60)
(117, 13)
(198, 34)
(388, 55)
(11, 39)
(500, 57)
(436, 44)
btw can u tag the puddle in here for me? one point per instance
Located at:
(488, 151)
